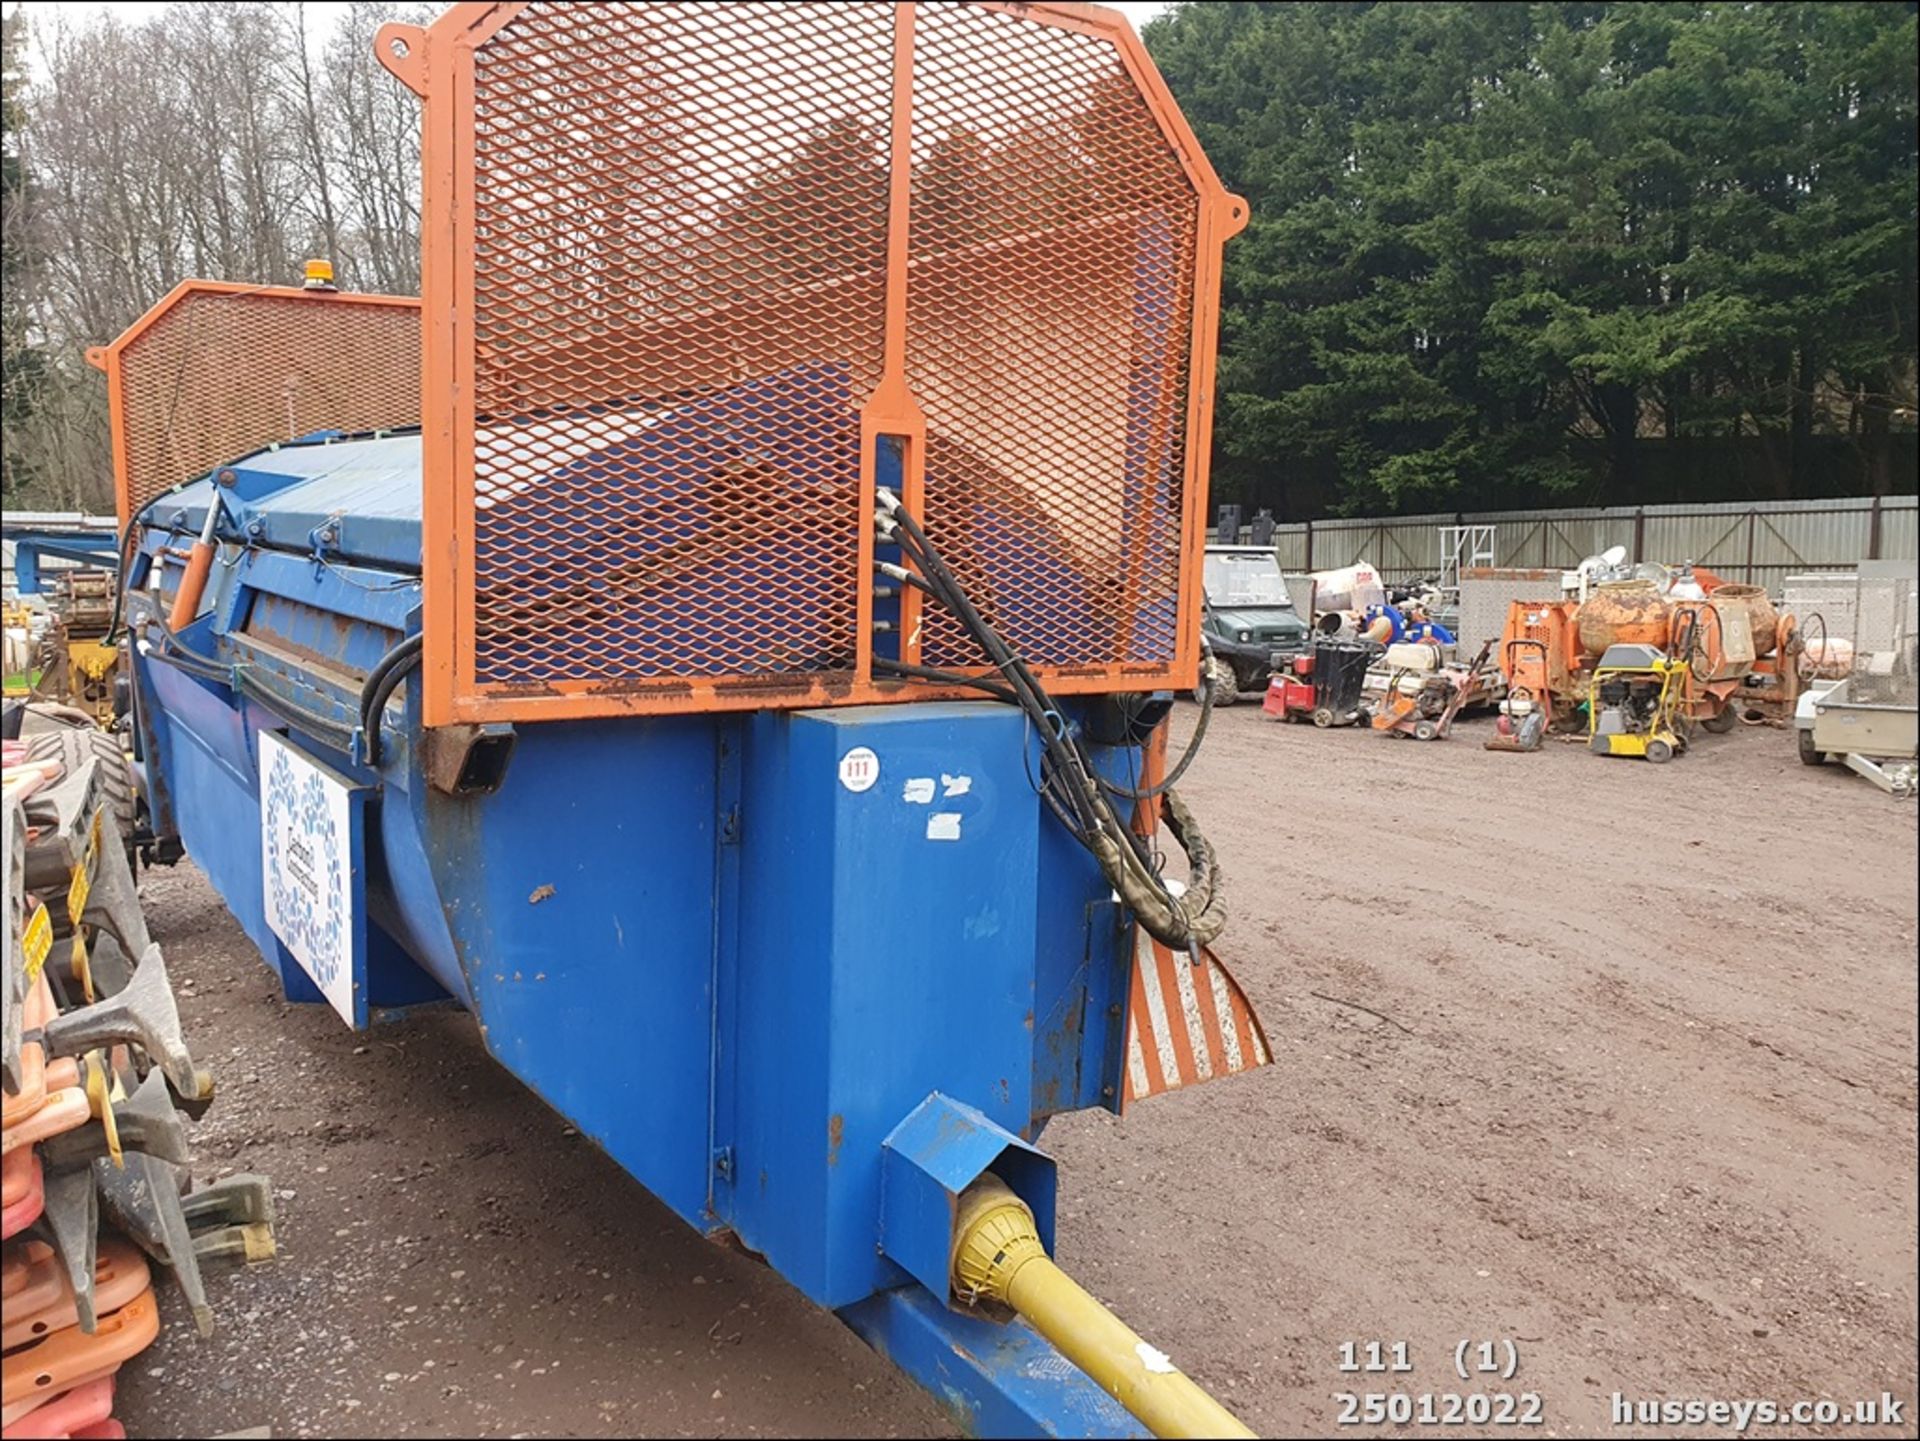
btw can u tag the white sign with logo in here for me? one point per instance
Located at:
(306, 860)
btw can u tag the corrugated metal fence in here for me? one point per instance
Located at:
(1759, 544)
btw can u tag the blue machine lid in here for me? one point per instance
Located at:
(367, 488)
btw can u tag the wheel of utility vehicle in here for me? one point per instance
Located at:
(1810, 754)
(1722, 721)
(1659, 752)
(1426, 730)
(1323, 718)
(73, 747)
(1226, 687)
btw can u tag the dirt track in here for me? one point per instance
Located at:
(1645, 1105)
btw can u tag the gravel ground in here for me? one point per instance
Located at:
(1640, 1099)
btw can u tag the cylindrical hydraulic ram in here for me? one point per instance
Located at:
(997, 1254)
(186, 600)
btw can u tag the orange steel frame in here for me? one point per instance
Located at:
(436, 62)
(109, 358)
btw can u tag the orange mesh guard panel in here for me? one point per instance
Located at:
(685, 264)
(216, 371)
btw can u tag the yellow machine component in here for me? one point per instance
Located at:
(102, 1090)
(1636, 698)
(90, 669)
(92, 658)
(997, 1256)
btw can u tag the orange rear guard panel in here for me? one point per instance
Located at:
(215, 371)
(499, 331)
(1186, 1024)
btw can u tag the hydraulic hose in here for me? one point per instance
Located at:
(401, 652)
(997, 1255)
(1179, 769)
(1069, 783)
(238, 678)
(120, 582)
(379, 686)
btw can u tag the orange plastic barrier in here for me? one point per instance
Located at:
(38, 1010)
(61, 1111)
(68, 1358)
(18, 1176)
(25, 1191)
(39, 1297)
(79, 1412)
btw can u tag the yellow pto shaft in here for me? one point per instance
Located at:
(997, 1254)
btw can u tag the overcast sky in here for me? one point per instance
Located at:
(322, 15)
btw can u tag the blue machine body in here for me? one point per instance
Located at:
(90, 551)
(803, 974)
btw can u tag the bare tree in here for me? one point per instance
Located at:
(375, 125)
(209, 141)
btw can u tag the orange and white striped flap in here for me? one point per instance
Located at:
(1186, 1023)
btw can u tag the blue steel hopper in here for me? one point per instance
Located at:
(757, 888)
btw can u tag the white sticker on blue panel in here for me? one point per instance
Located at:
(943, 826)
(918, 791)
(859, 769)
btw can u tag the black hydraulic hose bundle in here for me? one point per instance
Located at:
(387, 674)
(1069, 783)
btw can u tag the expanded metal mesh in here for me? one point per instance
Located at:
(683, 257)
(680, 228)
(216, 374)
(1050, 309)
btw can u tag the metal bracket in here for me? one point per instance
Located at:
(940, 1149)
(143, 1200)
(467, 760)
(145, 1122)
(145, 1013)
(322, 538)
(70, 1223)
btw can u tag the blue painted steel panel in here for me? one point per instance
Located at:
(579, 898)
(367, 490)
(940, 1149)
(98, 552)
(1083, 962)
(403, 894)
(992, 1379)
(877, 964)
(734, 972)
(210, 751)
(738, 974)
(206, 757)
